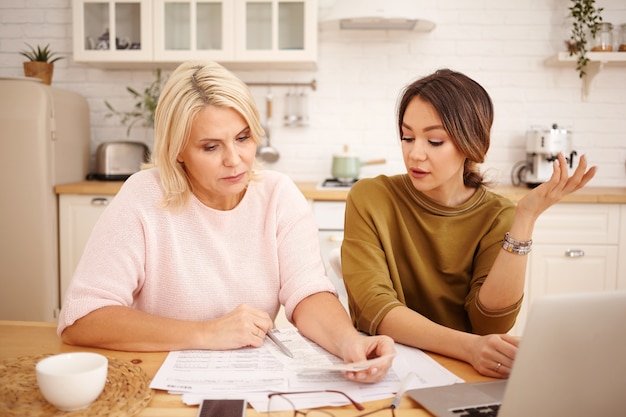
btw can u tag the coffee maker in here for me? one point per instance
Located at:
(542, 149)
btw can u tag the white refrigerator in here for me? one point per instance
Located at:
(44, 141)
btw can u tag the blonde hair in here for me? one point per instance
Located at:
(189, 89)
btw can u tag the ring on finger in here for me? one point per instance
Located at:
(498, 367)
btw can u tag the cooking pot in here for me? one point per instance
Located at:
(347, 167)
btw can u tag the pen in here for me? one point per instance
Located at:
(280, 344)
(405, 384)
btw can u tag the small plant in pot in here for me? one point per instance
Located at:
(40, 62)
(586, 19)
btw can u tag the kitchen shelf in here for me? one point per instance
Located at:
(597, 61)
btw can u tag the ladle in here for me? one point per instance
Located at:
(266, 152)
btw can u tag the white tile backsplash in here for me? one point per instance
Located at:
(508, 46)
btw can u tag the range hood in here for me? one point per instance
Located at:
(376, 15)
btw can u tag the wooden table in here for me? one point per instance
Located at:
(34, 338)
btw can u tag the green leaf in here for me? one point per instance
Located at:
(41, 54)
(586, 16)
(144, 107)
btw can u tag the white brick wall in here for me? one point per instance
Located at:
(505, 45)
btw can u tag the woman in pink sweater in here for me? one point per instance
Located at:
(201, 250)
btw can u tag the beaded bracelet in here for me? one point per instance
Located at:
(517, 247)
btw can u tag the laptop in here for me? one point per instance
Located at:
(571, 361)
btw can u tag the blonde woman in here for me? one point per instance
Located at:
(200, 250)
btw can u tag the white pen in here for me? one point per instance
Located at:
(280, 344)
(405, 384)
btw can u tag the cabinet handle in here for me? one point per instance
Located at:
(99, 201)
(574, 253)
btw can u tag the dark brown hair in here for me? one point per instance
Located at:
(466, 112)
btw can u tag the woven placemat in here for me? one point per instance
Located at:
(126, 392)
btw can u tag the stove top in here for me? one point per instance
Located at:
(334, 183)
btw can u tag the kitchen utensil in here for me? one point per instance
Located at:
(72, 381)
(267, 153)
(118, 160)
(290, 108)
(303, 109)
(347, 167)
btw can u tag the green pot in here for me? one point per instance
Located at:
(346, 167)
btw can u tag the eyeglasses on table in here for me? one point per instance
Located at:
(281, 404)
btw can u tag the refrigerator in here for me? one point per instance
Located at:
(44, 141)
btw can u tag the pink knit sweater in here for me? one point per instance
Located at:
(201, 263)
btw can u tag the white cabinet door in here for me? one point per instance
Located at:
(112, 31)
(276, 30)
(329, 240)
(202, 29)
(77, 216)
(329, 216)
(571, 224)
(557, 269)
(575, 249)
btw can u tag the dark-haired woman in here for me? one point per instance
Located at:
(431, 257)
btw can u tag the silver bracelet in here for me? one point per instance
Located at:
(517, 247)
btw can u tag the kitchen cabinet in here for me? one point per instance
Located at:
(330, 218)
(280, 33)
(201, 28)
(276, 31)
(575, 249)
(112, 31)
(78, 213)
(621, 250)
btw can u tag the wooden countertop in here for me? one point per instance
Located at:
(34, 338)
(615, 195)
(90, 187)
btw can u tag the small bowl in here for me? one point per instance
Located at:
(72, 381)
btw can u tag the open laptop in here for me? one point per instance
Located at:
(571, 362)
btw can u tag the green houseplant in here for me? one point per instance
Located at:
(145, 105)
(586, 18)
(40, 62)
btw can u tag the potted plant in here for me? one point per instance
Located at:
(40, 62)
(586, 18)
(145, 105)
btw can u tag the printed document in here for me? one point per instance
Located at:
(254, 372)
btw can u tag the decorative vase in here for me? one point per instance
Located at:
(41, 70)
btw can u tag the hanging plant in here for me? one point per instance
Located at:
(586, 18)
(145, 105)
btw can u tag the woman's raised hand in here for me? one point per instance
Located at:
(558, 186)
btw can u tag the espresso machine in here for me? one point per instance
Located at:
(542, 148)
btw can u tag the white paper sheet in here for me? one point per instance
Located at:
(255, 372)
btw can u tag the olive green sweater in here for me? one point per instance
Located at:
(402, 248)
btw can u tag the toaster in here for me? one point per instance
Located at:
(116, 161)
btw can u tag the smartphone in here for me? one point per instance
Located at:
(223, 408)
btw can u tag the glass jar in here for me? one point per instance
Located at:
(603, 41)
(621, 38)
